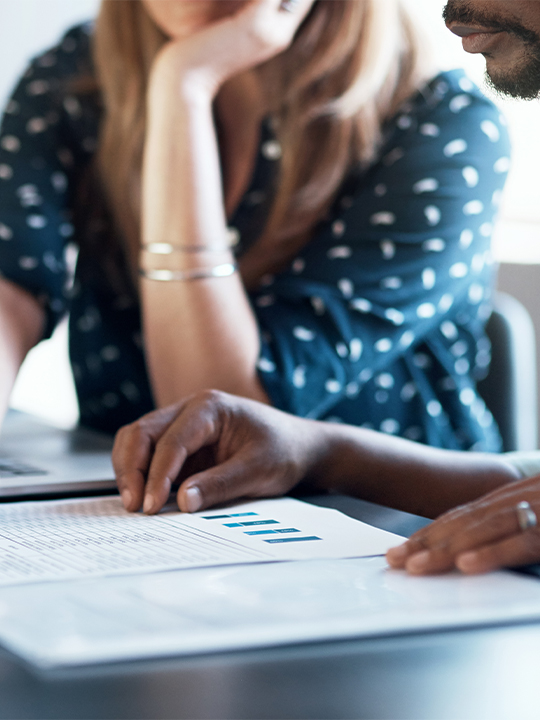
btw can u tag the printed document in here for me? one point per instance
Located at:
(96, 537)
(214, 609)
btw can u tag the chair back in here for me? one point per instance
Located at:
(510, 389)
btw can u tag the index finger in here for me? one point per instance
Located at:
(133, 450)
(197, 425)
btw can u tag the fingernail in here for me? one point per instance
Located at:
(467, 561)
(419, 561)
(193, 499)
(397, 554)
(149, 503)
(127, 499)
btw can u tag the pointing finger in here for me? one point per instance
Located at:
(132, 452)
(196, 426)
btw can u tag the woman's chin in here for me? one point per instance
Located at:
(179, 19)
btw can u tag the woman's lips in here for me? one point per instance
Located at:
(475, 39)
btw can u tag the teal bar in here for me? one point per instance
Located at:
(293, 539)
(261, 532)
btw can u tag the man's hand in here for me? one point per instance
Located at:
(218, 447)
(478, 537)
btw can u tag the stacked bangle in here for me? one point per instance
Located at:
(164, 274)
(163, 248)
(216, 271)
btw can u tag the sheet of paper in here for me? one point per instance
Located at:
(59, 540)
(215, 609)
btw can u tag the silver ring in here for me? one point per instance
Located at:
(526, 516)
(289, 5)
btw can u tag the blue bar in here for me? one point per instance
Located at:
(242, 514)
(232, 524)
(287, 530)
(292, 539)
(216, 517)
(259, 522)
(261, 532)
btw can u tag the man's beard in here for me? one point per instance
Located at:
(523, 79)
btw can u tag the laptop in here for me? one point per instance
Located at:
(38, 459)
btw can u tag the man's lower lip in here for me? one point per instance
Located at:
(479, 42)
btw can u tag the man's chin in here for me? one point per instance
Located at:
(522, 82)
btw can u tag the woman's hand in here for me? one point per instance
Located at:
(225, 48)
(478, 537)
(235, 448)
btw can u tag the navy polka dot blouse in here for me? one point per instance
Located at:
(378, 322)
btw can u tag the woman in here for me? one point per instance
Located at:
(362, 191)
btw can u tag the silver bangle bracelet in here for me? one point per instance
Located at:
(232, 239)
(163, 248)
(224, 270)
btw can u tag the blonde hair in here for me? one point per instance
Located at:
(357, 62)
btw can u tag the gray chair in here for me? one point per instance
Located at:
(510, 390)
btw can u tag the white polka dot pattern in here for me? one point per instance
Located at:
(491, 130)
(433, 215)
(6, 233)
(459, 102)
(299, 377)
(342, 252)
(10, 143)
(426, 186)
(471, 176)
(439, 275)
(303, 334)
(383, 218)
(434, 245)
(430, 130)
(456, 147)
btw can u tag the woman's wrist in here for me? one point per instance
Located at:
(318, 444)
(176, 77)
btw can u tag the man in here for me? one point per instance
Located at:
(222, 447)
(507, 34)
(500, 529)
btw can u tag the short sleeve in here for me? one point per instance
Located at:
(406, 248)
(37, 166)
(526, 463)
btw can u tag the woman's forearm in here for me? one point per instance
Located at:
(198, 333)
(21, 327)
(401, 474)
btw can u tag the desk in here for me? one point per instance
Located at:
(489, 674)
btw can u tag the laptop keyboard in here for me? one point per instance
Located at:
(14, 468)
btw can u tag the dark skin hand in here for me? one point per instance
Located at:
(216, 447)
(478, 537)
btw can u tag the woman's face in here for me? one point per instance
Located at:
(180, 18)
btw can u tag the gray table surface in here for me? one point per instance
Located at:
(489, 673)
